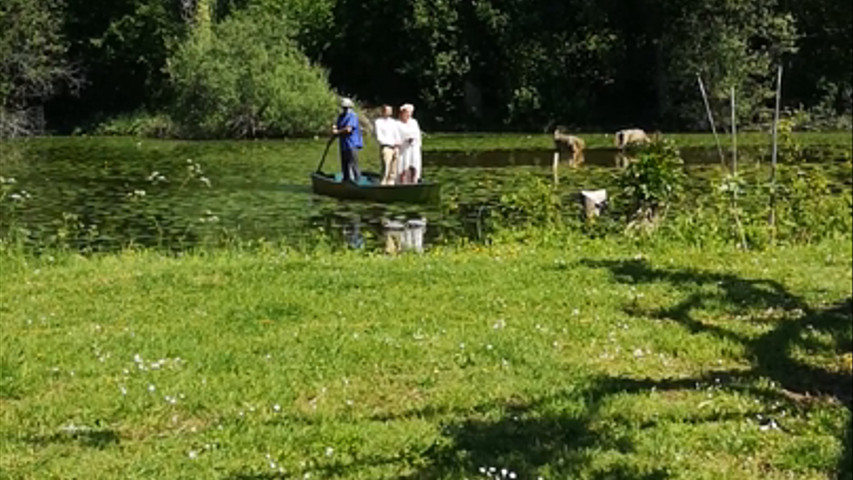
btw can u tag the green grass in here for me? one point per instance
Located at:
(512, 141)
(589, 359)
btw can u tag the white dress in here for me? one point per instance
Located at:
(410, 152)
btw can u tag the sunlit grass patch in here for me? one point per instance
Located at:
(586, 359)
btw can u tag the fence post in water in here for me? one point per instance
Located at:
(774, 157)
(711, 119)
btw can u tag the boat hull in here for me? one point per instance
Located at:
(323, 184)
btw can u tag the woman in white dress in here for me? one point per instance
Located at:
(409, 166)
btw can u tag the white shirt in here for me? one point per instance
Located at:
(387, 131)
(410, 152)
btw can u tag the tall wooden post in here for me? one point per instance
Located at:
(735, 212)
(734, 133)
(775, 155)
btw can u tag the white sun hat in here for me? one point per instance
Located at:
(347, 103)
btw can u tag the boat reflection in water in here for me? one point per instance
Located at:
(394, 236)
(404, 236)
(352, 235)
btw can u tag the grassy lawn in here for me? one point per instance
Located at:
(588, 360)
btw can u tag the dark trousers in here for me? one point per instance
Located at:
(349, 165)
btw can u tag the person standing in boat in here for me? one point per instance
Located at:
(387, 131)
(349, 137)
(410, 147)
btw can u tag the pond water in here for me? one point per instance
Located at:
(101, 194)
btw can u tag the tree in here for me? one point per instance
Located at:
(731, 44)
(33, 63)
(247, 77)
(120, 47)
(820, 74)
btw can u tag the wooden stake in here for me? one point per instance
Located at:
(734, 133)
(774, 157)
(734, 173)
(776, 126)
(711, 119)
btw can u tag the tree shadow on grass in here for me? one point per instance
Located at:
(566, 434)
(797, 325)
(794, 324)
(528, 438)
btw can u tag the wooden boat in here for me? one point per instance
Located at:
(369, 188)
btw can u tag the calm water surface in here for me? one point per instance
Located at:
(97, 194)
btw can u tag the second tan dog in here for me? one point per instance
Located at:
(626, 137)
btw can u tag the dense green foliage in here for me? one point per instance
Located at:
(652, 180)
(245, 77)
(496, 64)
(33, 64)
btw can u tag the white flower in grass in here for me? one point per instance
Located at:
(276, 407)
(193, 454)
(151, 387)
(123, 390)
(330, 451)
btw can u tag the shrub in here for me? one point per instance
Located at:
(246, 77)
(533, 203)
(139, 124)
(651, 182)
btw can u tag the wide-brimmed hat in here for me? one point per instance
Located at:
(347, 103)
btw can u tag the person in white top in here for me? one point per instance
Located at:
(410, 148)
(387, 131)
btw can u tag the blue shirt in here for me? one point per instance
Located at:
(349, 141)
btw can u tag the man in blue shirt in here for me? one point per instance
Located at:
(349, 135)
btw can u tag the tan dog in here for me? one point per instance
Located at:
(624, 138)
(565, 143)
